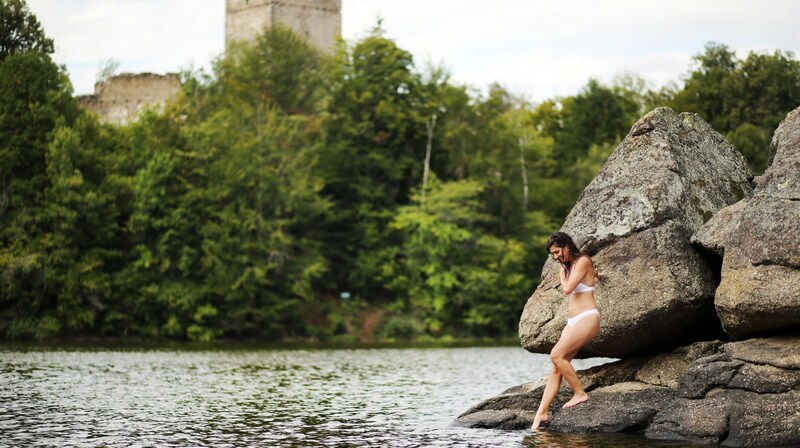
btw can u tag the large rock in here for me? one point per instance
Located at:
(739, 393)
(745, 394)
(715, 233)
(623, 407)
(669, 176)
(755, 299)
(760, 288)
(733, 418)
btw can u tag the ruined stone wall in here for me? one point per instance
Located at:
(319, 21)
(120, 99)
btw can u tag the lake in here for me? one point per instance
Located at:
(93, 395)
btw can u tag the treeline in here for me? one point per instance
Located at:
(292, 195)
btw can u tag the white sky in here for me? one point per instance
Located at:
(536, 48)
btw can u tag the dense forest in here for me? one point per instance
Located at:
(292, 195)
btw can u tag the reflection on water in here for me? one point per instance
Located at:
(548, 439)
(261, 397)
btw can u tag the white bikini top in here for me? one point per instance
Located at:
(582, 288)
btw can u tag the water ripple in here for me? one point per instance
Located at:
(260, 397)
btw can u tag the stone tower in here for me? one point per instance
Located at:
(120, 99)
(319, 21)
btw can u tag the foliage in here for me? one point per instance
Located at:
(753, 142)
(106, 70)
(403, 327)
(449, 273)
(284, 178)
(40, 162)
(743, 99)
(597, 115)
(279, 69)
(704, 88)
(223, 211)
(20, 31)
(371, 157)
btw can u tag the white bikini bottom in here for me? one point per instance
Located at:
(572, 321)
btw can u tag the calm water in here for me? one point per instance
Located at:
(94, 396)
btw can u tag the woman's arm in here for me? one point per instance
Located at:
(579, 270)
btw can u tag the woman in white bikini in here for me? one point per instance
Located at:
(583, 322)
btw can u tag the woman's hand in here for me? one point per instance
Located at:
(599, 275)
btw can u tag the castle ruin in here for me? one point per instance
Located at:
(120, 99)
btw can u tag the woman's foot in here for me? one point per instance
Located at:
(540, 421)
(576, 400)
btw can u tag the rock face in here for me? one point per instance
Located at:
(745, 394)
(739, 393)
(717, 231)
(760, 287)
(668, 177)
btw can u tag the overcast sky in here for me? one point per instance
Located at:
(539, 49)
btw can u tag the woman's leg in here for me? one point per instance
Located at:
(571, 341)
(550, 392)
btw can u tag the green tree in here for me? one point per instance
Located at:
(260, 252)
(753, 142)
(20, 31)
(762, 90)
(640, 97)
(158, 287)
(225, 207)
(704, 90)
(372, 156)
(34, 95)
(279, 69)
(744, 99)
(449, 273)
(548, 118)
(80, 225)
(597, 115)
(35, 101)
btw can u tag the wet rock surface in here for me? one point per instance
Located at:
(623, 407)
(735, 393)
(731, 417)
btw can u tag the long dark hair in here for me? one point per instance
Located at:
(561, 239)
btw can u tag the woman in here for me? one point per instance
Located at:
(583, 322)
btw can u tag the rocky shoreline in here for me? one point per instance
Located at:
(742, 393)
(694, 254)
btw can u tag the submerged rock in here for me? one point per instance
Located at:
(668, 177)
(737, 393)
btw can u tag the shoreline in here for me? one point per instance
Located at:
(233, 344)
